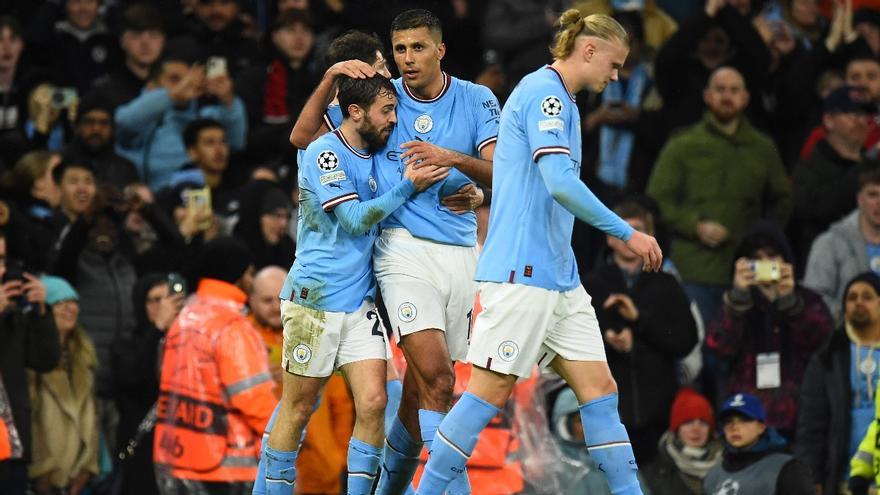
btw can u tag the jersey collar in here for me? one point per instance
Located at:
(447, 82)
(349, 146)
(570, 95)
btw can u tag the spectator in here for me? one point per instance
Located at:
(93, 142)
(150, 127)
(195, 225)
(135, 360)
(768, 327)
(825, 184)
(647, 324)
(28, 340)
(265, 316)
(15, 85)
(77, 49)
(862, 71)
(849, 246)
(50, 114)
(233, 381)
(65, 419)
(217, 28)
(76, 181)
(713, 180)
(839, 388)
(262, 224)
(142, 40)
(159, 245)
(37, 197)
(718, 36)
(688, 450)
(290, 78)
(754, 459)
(208, 153)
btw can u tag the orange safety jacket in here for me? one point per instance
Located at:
(5, 444)
(215, 390)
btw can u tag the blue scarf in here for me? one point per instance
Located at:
(615, 143)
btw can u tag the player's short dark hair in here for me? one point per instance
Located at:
(11, 23)
(417, 18)
(354, 45)
(194, 129)
(362, 92)
(869, 176)
(142, 17)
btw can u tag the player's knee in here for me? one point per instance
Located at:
(371, 404)
(600, 387)
(439, 387)
(300, 410)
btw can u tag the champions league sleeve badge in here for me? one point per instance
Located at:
(328, 161)
(551, 106)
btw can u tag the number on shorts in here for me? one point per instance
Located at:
(374, 315)
(470, 317)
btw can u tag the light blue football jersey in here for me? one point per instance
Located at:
(333, 270)
(463, 117)
(529, 238)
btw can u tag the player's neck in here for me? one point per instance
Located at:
(350, 133)
(569, 73)
(430, 90)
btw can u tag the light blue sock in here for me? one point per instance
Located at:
(363, 466)
(394, 391)
(401, 459)
(609, 446)
(456, 438)
(280, 471)
(428, 423)
(260, 482)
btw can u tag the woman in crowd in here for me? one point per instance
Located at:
(64, 416)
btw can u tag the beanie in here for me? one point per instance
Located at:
(58, 289)
(224, 258)
(688, 406)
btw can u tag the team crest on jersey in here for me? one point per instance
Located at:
(302, 354)
(729, 487)
(508, 350)
(551, 106)
(328, 161)
(424, 123)
(407, 312)
(373, 186)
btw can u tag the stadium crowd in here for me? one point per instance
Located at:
(145, 161)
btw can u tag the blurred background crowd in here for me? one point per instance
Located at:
(744, 134)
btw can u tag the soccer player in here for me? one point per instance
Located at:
(328, 315)
(426, 255)
(534, 308)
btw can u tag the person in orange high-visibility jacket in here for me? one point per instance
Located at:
(215, 391)
(5, 444)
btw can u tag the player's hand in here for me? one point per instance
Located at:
(646, 247)
(466, 199)
(621, 341)
(423, 154)
(711, 233)
(625, 306)
(356, 69)
(743, 274)
(425, 177)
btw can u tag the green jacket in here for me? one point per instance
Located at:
(703, 174)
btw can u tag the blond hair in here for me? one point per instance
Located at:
(572, 24)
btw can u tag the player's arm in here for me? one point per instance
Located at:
(357, 217)
(310, 123)
(423, 154)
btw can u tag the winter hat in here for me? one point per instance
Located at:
(224, 258)
(688, 406)
(58, 289)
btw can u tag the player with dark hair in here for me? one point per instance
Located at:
(329, 319)
(534, 307)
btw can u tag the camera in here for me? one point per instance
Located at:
(63, 97)
(176, 284)
(15, 272)
(766, 270)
